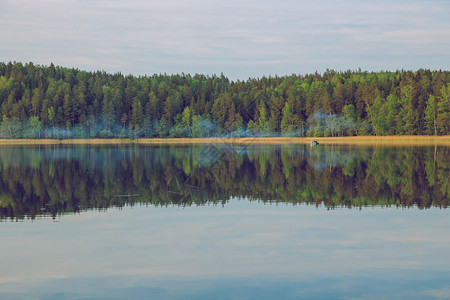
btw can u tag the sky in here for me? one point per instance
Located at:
(240, 38)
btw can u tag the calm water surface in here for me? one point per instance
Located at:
(202, 222)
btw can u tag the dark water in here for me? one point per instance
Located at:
(202, 222)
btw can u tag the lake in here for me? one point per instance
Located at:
(220, 221)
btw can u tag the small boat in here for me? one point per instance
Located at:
(314, 143)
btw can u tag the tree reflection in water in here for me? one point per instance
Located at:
(51, 180)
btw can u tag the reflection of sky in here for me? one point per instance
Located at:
(245, 247)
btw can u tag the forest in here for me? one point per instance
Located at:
(57, 102)
(37, 180)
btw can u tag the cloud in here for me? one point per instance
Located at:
(443, 293)
(207, 35)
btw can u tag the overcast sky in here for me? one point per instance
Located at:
(241, 39)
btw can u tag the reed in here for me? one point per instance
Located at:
(353, 140)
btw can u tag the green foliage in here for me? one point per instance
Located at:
(349, 112)
(443, 112)
(10, 128)
(430, 116)
(201, 126)
(287, 122)
(36, 127)
(252, 128)
(265, 126)
(70, 102)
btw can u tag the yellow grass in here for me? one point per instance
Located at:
(354, 140)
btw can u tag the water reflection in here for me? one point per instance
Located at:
(240, 250)
(49, 180)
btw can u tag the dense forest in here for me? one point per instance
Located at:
(57, 102)
(39, 180)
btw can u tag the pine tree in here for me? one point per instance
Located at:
(287, 122)
(136, 119)
(443, 111)
(430, 116)
(265, 127)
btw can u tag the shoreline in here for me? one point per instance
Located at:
(351, 140)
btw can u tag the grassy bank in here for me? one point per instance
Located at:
(354, 140)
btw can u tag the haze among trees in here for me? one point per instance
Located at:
(56, 102)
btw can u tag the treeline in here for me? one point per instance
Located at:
(40, 180)
(56, 102)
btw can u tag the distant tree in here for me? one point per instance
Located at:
(51, 118)
(36, 127)
(136, 119)
(186, 118)
(443, 111)
(407, 111)
(201, 126)
(393, 117)
(276, 104)
(287, 123)
(252, 128)
(378, 116)
(350, 119)
(430, 116)
(265, 127)
(36, 100)
(333, 103)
